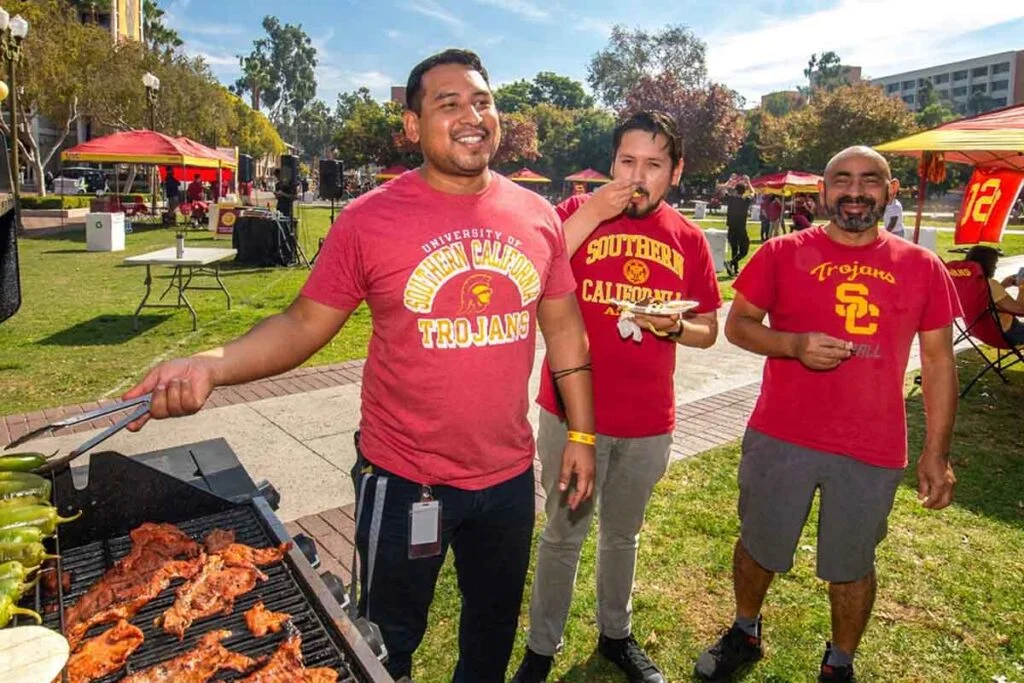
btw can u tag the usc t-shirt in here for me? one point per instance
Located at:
(878, 296)
(660, 256)
(453, 283)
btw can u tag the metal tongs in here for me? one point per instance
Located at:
(143, 407)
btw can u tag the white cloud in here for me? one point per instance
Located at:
(592, 25)
(221, 60)
(521, 7)
(213, 29)
(432, 9)
(882, 37)
(332, 79)
(394, 34)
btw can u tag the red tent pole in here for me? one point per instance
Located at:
(922, 186)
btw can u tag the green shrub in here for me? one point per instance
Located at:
(56, 202)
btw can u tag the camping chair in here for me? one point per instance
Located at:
(981, 321)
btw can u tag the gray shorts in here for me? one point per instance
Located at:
(777, 485)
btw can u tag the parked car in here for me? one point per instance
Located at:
(94, 181)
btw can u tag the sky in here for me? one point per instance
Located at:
(754, 46)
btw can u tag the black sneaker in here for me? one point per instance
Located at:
(627, 654)
(533, 669)
(835, 674)
(734, 652)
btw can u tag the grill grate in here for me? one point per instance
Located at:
(282, 592)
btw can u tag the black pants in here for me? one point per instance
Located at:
(739, 243)
(766, 229)
(490, 533)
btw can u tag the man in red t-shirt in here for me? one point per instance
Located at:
(628, 244)
(458, 267)
(845, 302)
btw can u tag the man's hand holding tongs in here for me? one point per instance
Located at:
(179, 387)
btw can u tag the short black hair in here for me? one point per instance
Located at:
(655, 123)
(986, 257)
(414, 86)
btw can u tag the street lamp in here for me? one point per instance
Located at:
(12, 32)
(152, 85)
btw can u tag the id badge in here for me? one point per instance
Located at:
(425, 527)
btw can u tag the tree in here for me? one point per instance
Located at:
(827, 72)
(63, 71)
(280, 71)
(979, 103)
(570, 139)
(158, 35)
(807, 138)
(932, 110)
(748, 159)
(634, 54)
(781, 103)
(593, 148)
(315, 128)
(547, 87)
(518, 141)
(251, 131)
(707, 117)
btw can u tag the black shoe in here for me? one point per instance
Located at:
(835, 674)
(533, 669)
(734, 652)
(627, 654)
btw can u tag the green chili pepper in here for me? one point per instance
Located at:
(23, 462)
(20, 484)
(14, 570)
(43, 516)
(24, 534)
(15, 588)
(22, 501)
(8, 610)
(29, 554)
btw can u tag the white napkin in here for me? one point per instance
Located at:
(629, 328)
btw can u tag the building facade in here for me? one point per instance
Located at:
(999, 77)
(124, 20)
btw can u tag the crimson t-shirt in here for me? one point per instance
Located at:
(878, 296)
(453, 283)
(660, 256)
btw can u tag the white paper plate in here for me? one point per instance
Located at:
(31, 654)
(655, 307)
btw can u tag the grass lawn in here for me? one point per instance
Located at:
(72, 340)
(950, 605)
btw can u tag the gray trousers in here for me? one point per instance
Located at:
(627, 470)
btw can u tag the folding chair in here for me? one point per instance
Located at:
(981, 321)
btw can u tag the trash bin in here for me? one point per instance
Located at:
(716, 240)
(700, 209)
(104, 231)
(929, 238)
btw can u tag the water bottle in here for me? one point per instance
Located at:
(179, 245)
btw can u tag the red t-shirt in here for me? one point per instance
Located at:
(660, 256)
(452, 283)
(877, 296)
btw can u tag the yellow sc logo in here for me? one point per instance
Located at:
(854, 306)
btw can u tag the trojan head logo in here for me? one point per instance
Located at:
(854, 308)
(476, 294)
(636, 271)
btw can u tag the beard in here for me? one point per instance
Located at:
(459, 161)
(856, 222)
(646, 205)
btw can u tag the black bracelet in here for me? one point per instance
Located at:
(677, 334)
(559, 374)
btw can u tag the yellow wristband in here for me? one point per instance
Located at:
(582, 437)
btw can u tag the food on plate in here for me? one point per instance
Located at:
(262, 621)
(285, 666)
(199, 665)
(106, 653)
(159, 554)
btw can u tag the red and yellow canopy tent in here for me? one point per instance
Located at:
(988, 141)
(525, 175)
(148, 147)
(787, 183)
(390, 173)
(588, 175)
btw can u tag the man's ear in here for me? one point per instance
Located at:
(411, 124)
(677, 173)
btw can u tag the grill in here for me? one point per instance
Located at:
(122, 493)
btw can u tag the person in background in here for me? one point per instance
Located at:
(774, 212)
(835, 309)
(196, 192)
(737, 206)
(1010, 308)
(803, 214)
(766, 225)
(893, 217)
(285, 193)
(172, 189)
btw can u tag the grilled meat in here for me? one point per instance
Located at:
(285, 666)
(160, 553)
(199, 665)
(104, 654)
(262, 621)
